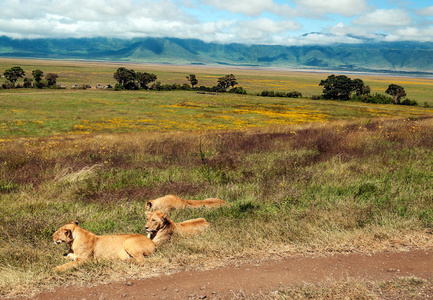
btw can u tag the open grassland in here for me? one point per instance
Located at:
(336, 187)
(361, 183)
(34, 112)
(58, 112)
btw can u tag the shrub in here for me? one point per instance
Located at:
(409, 102)
(118, 87)
(376, 98)
(238, 90)
(7, 86)
(294, 94)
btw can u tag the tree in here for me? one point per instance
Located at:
(143, 79)
(192, 80)
(13, 74)
(227, 81)
(396, 91)
(125, 77)
(338, 87)
(51, 78)
(27, 82)
(37, 75)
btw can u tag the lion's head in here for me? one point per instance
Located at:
(155, 221)
(64, 233)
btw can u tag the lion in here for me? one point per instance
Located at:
(170, 202)
(160, 227)
(85, 245)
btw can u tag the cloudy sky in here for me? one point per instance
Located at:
(290, 22)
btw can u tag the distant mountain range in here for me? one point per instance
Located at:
(366, 56)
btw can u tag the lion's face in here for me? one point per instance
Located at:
(64, 233)
(155, 221)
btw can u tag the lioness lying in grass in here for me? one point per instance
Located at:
(85, 245)
(160, 227)
(170, 202)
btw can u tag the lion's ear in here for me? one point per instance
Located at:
(164, 216)
(68, 233)
(149, 205)
(75, 222)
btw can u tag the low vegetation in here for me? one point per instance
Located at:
(340, 187)
(300, 176)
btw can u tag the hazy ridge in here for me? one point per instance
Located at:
(367, 56)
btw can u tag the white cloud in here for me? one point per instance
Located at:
(250, 7)
(89, 18)
(385, 17)
(412, 34)
(263, 30)
(427, 11)
(346, 8)
(245, 21)
(359, 31)
(323, 39)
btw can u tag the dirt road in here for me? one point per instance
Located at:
(224, 283)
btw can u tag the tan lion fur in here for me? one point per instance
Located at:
(170, 202)
(84, 245)
(160, 227)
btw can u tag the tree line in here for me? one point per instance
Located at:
(341, 87)
(128, 79)
(38, 81)
(335, 87)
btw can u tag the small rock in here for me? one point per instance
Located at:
(203, 287)
(176, 290)
(202, 297)
(129, 283)
(393, 270)
(124, 295)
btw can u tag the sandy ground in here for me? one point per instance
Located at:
(258, 279)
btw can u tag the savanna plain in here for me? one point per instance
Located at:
(301, 176)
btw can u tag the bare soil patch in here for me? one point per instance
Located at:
(261, 278)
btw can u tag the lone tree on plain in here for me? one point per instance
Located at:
(192, 80)
(337, 87)
(396, 91)
(13, 74)
(340, 87)
(227, 81)
(51, 78)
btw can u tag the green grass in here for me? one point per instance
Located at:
(348, 186)
(360, 181)
(56, 112)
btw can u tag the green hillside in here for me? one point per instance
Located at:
(368, 56)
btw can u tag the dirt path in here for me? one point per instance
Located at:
(255, 279)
